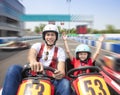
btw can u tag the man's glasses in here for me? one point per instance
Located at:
(46, 58)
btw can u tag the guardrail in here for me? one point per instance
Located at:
(113, 47)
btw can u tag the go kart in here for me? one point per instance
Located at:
(110, 69)
(88, 83)
(36, 83)
(14, 45)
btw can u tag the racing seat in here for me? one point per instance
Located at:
(68, 65)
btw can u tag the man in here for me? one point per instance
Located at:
(40, 55)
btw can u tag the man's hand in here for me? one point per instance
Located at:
(36, 67)
(58, 74)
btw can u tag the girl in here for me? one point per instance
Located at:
(83, 54)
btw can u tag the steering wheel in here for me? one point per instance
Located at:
(93, 70)
(26, 72)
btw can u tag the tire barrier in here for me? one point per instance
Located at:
(109, 46)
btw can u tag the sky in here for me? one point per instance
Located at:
(104, 12)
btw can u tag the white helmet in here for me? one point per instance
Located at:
(50, 28)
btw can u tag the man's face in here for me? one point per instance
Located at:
(50, 37)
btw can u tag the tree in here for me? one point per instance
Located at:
(41, 27)
(37, 29)
(110, 29)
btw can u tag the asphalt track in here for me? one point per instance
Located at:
(8, 58)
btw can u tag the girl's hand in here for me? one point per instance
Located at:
(64, 36)
(101, 38)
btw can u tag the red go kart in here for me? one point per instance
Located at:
(88, 83)
(36, 83)
(110, 69)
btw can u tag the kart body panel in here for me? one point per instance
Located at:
(112, 78)
(90, 85)
(36, 87)
(110, 69)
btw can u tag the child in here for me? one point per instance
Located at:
(83, 54)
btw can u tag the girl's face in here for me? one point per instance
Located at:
(83, 55)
